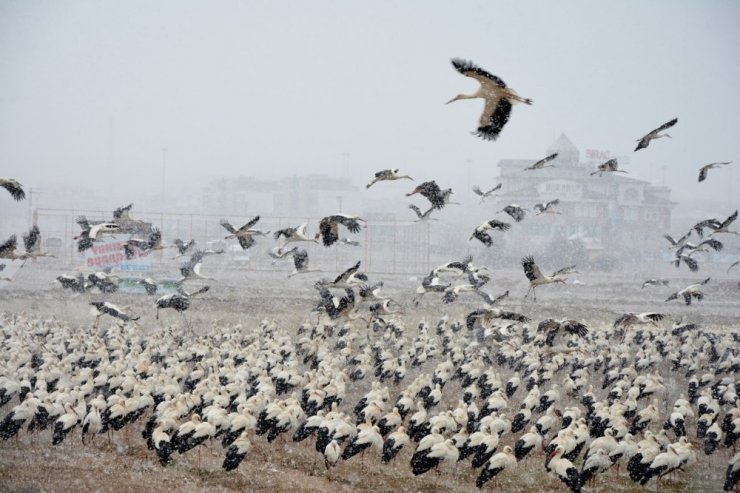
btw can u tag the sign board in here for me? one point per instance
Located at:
(108, 252)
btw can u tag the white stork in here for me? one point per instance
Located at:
(516, 212)
(292, 235)
(485, 194)
(178, 301)
(245, 234)
(705, 169)
(564, 469)
(732, 477)
(654, 134)
(481, 231)
(689, 292)
(435, 195)
(32, 243)
(300, 262)
(106, 308)
(146, 246)
(495, 465)
(629, 319)
(655, 282)
(329, 227)
(388, 175)
(547, 207)
(350, 278)
(536, 277)
(92, 233)
(542, 163)
(722, 227)
(191, 268)
(12, 186)
(183, 248)
(499, 99)
(422, 216)
(611, 166)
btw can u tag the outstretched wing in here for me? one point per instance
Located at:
(728, 221)
(345, 275)
(251, 222)
(477, 190)
(531, 270)
(495, 115)
(351, 223)
(15, 188)
(32, 240)
(469, 69)
(246, 241)
(8, 247)
(328, 230)
(484, 237)
(665, 126)
(122, 212)
(226, 224)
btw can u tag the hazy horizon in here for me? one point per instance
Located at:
(91, 89)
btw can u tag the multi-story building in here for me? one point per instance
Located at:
(613, 209)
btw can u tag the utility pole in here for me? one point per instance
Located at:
(164, 171)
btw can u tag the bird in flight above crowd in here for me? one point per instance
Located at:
(498, 97)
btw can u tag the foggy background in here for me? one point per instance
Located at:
(92, 93)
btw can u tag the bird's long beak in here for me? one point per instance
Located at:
(453, 99)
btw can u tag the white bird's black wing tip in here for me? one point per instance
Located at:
(465, 66)
(15, 189)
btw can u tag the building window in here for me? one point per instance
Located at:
(631, 195)
(631, 214)
(652, 215)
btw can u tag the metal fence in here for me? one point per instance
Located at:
(386, 247)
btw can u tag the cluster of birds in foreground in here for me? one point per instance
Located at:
(493, 390)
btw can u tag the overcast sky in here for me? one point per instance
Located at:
(273, 88)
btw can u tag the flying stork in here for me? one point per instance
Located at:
(655, 282)
(300, 262)
(547, 207)
(179, 301)
(292, 235)
(722, 227)
(516, 212)
(654, 134)
(498, 97)
(329, 227)
(705, 169)
(107, 308)
(422, 216)
(146, 246)
(92, 233)
(433, 193)
(279, 253)
(387, 175)
(481, 231)
(689, 292)
(350, 278)
(542, 163)
(629, 319)
(245, 234)
(183, 248)
(611, 166)
(483, 195)
(191, 268)
(536, 277)
(15, 188)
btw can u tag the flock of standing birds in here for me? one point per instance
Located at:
(494, 389)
